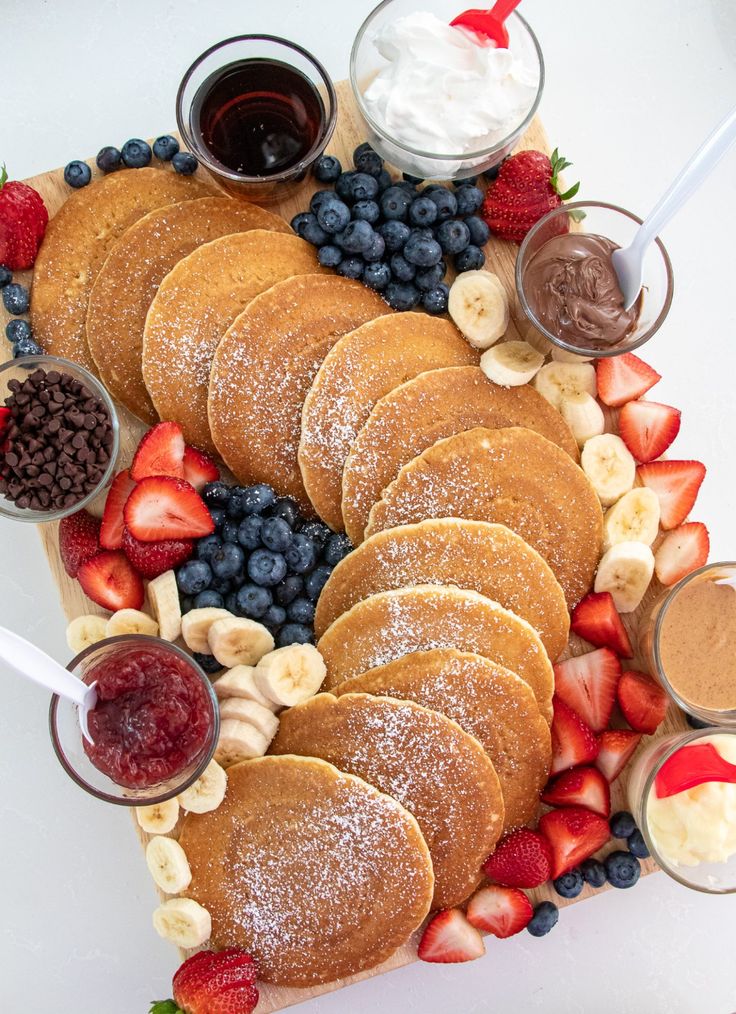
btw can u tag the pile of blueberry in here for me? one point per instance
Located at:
(16, 300)
(135, 154)
(392, 236)
(620, 868)
(264, 561)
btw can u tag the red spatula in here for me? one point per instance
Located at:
(692, 765)
(490, 23)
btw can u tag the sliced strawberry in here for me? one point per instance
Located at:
(574, 835)
(79, 540)
(153, 558)
(5, 415)
(623, 378)
(595, 619)
(160, 452)
(584, 787)
(110, 581)
(521, 859)
(215, 982)
(648, 428)
(615, 749)
(164, 508)
(199, 469)
(450, 937)
(111, 533)
(642, 701)
(681, 552)
(587, 684)
(573, 741)
(502, 911)
(235, 998)
(676, 484)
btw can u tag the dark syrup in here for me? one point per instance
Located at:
(258, 117)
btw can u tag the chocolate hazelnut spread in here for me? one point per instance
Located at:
(572, 288)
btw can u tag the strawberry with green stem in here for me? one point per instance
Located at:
(23, 221)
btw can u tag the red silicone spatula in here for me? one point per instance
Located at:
(691, 766)
(490, 23)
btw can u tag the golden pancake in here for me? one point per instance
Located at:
(359, 370)
(265, 366)
(132, 273)
(312, 871)
(513, 477)
(434, 405)
(486, 558)
(421, 758)
(394, 623)
(487, 701)
(77, 241)
(195, 305)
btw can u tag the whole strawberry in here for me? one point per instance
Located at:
(212, 982)
(525, 189)
(23, 221)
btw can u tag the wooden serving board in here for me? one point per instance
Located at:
(500, 259)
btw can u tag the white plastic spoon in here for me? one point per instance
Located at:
(628, 263)
(28, 660)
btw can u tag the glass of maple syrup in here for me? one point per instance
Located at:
(256, 111)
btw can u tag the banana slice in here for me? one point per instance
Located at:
(610, 467)
(235, 641)
(479, 306)
(563, 356)
(248, 711)
(633, 518)
(511, 364)
(583, 415)
(184, 922)
(164, 598)
(556, 381)
(168, 865)
(625, 571)
(195, 627)
(239, 741)
(240, 682)
(131, 621)
(159, 818)
(207, 792)
(291, 675)
(85, 631)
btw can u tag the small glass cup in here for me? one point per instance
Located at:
(263, 189)
(19, 369)
(619, 226)
(710, 878)
(66, 734)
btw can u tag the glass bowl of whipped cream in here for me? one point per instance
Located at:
(441, 102)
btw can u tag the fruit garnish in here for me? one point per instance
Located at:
(5, 415)
(615, 749)
(111, 533)
(624, 378)
(23, 221)
(648, 428)
(574, 835)
(681, 552)
(573, 741)
(110, 581)
(199, 469)
(690, 766)
(587, 684)
(502, 911)
(161, 507)
(152, 558)
(526, 188)
(160, 452)
(595, 619)
(642, 701)
(211, 982)
(449, 937)
(521, 859)
(79, 540)
(584, 787)
(676, 484)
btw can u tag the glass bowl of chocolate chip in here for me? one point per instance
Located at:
(59, 438)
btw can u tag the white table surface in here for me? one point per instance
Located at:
(632, 88)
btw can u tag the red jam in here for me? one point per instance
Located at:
(153, 716)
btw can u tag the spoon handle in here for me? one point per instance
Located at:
(28, 660)
(502, 8)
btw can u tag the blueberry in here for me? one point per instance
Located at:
(435, 301)
(252, 601)
(479, 231)
(257, 498)
(416, 180)
(301, 611)
(249, 531)
(301, 555)
(16, 329)
(343, 186)
(184, 163)
(594, 873)
(274, 617)
(77, 174)
(362, 187)
(622, 869)
(26, 347)
(368, 211)
(231, 603)
(333, 215)
(318, 199)
(469, 181)
(377, 276)
(193, 577)
(266, 568)
(165, 147)
(207, 547)
(544, 919)
(216, 494)
(570, 884)
(356, 237)
(285, 508)
(429, 278)
(469, 199)
(317, 531)
(453, 236)
(186, 604)
(223, 586)
(408, 187)
(446, 202)
(276, 535)
(492, 173)
(351, 267)
(234, 506)
(697, 723)
(384, 180)
(422, 251)
(108, 159)
(326, 169)
(218, 516)
(366, 160)
(423, 211)
(136, 153)
(337, 548)
(622, 824)
(395, 234)
(401, 295)
(401, 269)
(288, 589)
(637, 845)
(470, 259)
(376, 250)
(394, 203)
(208, 663)
(294, 633)
(6, 275)
(315, 582)
(229, 530)
(15, 298)
(209, 599)
(227, 561)
(308, 228)
(329, 256)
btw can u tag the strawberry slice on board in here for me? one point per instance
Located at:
(521, 859)
(648, 428)
(596, 620)
(676, 484)
(449, 937)
(210, 982)
(199, 468)
(624, 378)
(153, 558)
(584, 787)
(682, 551)
(587, 684)
(111, 532)
(502, 911)
(642, 701)
(110, 581)
(573, 741)
(160, 452)
(616, 747)
(161, 507)
(574, 835)
(79, 540)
